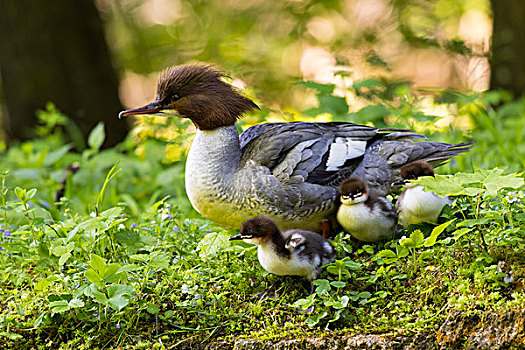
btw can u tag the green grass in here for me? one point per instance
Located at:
(123, 260)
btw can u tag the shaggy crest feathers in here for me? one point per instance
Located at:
(197, 92)
(351, 186)
(416, 169)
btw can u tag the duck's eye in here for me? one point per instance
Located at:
(357, 194)
(174, 97)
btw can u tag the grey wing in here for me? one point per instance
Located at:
(299, 152)
(384, 158)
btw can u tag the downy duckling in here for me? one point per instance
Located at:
(414, 204)
(364, 215)
(294, 252)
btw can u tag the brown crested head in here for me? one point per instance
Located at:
(416, 169)
(353, 187)
(260, 227)
(197, 92)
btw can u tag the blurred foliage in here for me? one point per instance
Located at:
(273, 43)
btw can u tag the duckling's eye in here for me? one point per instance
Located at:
(345, 197)
(357, 194)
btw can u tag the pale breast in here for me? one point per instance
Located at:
(417, 206)
(365, 224)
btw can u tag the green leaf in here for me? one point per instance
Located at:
(352, 265)
(213, 243)
(99, 297)
(431, 240)
(98, 264)
(59, 306)
(76, 303)
(314, 319)
(415, 240)
(159, 260)
(120, 289)
(387, 255)
(341, 302)
(338, 284)
(64, 258)
(128, 268)
(55, 156)
(131, 238)
(30, 194)
(94, 277)
(112, 213)
(110, 273)
(97, 136)
(20, 193)
(462, 231)
(153, 309)
(118, 302)
(323, 286)
(12, 336)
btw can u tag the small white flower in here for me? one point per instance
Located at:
(511, 197)
(93, 214)
(520, 195)
(121, 226)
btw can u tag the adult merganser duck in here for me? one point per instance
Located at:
(414, 205)
(294, 252)
(366, 216)
(289, 171)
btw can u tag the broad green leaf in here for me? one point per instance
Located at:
(55, 156)
(110, 273)
(97, 136)
(462, 231)
(323, 286)
(120, 289)
(90, 224)
(94, 277)
(118, 302)
(352, 265)
(213, 243)
(59, 306)
(99, 297)
(98, 264)
(131, 238)
(112, 213)
(128, 268)
(64, 258)
(387, 255)
(338, 284)
(159, 260)
(431, 240)
(153, 309)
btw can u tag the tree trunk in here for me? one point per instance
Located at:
(56, 51)
(508, 46)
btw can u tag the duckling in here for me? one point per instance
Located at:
(288, 171)
(294, 252)
(414, 204)
(366, 216)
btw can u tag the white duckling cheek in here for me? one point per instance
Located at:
(353, 201)
(251, 240)
(411, 185)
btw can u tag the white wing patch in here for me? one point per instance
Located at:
(343, 149)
